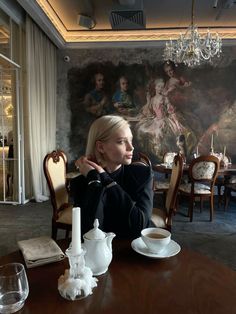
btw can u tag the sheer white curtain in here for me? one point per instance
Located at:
(41, 92)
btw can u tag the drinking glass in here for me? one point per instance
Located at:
(14, 288)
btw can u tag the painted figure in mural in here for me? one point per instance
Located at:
(96, 101)
(181, 144)
(159, 120)
(174, 80)
(176, 89)
(110, 188)
(122, 99)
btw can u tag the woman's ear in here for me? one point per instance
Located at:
(99, 147)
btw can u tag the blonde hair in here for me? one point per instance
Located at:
(102, 129)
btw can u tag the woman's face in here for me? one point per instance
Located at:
(118, 150)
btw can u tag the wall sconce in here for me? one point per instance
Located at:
(9, 111)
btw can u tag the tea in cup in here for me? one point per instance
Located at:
(156, 239)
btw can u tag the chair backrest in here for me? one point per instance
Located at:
(226, 159)
(204, 169)
(54, 166)
(169, 157)
(142, 158)
(176, 175)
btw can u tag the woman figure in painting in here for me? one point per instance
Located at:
(122, 100)
(96, 101)
(174, 81)
(110, 188)
(159, 120)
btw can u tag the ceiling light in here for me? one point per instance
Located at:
(192, 49)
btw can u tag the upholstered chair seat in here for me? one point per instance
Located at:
(198, 188)
(65, 215)
(161, 185)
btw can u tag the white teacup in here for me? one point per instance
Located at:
(156, 239)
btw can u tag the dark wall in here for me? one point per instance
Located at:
(195, 103)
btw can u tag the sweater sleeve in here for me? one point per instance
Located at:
(131, 205)
(86, 193)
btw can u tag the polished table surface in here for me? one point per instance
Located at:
(186, 283)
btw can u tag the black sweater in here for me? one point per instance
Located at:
(122, 200)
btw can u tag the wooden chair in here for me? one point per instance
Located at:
(221, 180)
(54, 166)
(202, 175)
(161, 186)
(229, 188)
(140, 157)
(163, 217)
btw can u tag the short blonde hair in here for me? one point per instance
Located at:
(102, 129)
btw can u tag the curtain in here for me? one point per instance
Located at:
(41, 103)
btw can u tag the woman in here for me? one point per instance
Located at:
(110, 188)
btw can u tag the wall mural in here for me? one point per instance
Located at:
(169, 108)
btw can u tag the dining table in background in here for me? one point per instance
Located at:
(223, 171)
(188, 282)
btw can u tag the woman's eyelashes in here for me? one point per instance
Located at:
(124, 141)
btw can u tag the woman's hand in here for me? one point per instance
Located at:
(85, 165)
(95, 166)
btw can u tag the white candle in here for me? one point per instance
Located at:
(224, 152)
(212, 142)
(197, 151)
(76, 231)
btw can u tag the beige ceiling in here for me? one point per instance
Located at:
(164, 18)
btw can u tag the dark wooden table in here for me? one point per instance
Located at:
(226, 171)
(186, 283)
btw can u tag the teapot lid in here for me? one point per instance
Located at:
(95, 233)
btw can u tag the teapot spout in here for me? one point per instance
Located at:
(110, 237)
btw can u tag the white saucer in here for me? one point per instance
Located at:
(140, 247)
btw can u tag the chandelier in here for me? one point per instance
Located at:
(192, 49)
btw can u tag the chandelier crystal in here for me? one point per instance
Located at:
(192, 49)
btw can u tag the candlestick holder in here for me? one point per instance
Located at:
(78, 281)
(211, 151)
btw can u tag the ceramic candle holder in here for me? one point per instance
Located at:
(78, 281)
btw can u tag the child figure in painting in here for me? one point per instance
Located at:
(158, 119)
(122, 99)
(174, 81)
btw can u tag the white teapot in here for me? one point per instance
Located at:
(98, 248)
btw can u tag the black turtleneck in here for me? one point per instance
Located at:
(121, 200)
